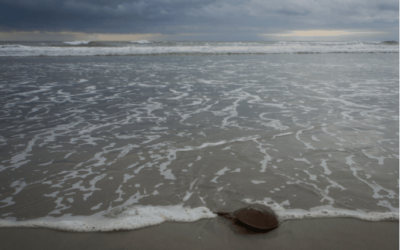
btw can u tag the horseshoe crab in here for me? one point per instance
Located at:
(256, 218)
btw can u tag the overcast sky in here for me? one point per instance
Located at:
(240, 20)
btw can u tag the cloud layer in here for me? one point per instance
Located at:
(212, 17)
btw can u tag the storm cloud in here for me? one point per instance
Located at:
(245, 17)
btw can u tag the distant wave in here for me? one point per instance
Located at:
(10, 45)
(390, 42)
(199, 48)
(314, 43)
(77, 42)
(142, 42)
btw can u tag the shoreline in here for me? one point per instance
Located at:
(217, 233)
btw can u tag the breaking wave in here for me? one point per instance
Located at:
(144, 47)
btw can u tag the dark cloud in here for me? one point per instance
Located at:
(190, 16)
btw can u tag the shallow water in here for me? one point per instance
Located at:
(128, 137)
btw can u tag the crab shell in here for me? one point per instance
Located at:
(257, 216)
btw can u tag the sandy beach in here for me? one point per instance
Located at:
(338, 233)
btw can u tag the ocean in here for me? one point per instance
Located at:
(103, 136)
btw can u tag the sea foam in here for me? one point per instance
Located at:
(327, 211)
(115, 219)
(119, 218)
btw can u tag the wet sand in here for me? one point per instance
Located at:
(338, 233)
